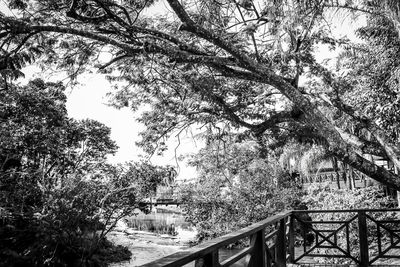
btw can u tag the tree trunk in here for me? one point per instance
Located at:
(352, 178)
(346, 177)
(396, 171)
(337, 145)
(246, 68)
(365, 166)
(261, 73)
(336, 170)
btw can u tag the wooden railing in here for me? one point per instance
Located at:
(333, 177)
(359, 236)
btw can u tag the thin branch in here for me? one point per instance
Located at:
(112, 61)
(73, 14)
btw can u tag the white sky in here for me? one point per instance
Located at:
(88, 100)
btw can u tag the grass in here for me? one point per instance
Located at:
(160, 223)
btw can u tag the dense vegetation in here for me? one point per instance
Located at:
(236, 187)
(250, 65)
(58, 195)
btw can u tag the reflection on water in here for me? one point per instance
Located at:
(170, 221)
(167, 220)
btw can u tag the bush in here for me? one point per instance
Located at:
(58, 196)
(65, 228)
(217, 208)
(68, 222)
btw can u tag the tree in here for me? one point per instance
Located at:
(208, 62)
(58, 196)
(38, 133)
(237, 186)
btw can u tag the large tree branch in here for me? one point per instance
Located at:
(273, 120)
(175, 54)
(262, 74)
(73, 14)
(258, 129)
(370, 169)
(20, 27)
(364, 146)
(391, 151)
(189, 25)
(256, 71)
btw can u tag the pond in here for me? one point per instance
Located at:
(169, 222)
(162, 220)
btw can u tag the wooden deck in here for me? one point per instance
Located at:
(301, 238)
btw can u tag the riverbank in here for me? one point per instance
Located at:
(146, 246)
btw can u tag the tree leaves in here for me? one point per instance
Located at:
(201, 67)
(54, 180)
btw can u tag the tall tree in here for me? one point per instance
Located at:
(250, 63)
(237, 186)
(36, 131)
(58, 196)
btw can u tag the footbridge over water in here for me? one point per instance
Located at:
(361, 237)
(162, 202)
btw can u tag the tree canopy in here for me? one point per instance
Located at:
(248, 63)
(237, 186)
(58, 195)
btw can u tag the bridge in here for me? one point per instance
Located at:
(363, 237)
(161, 202)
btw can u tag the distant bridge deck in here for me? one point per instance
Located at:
(162, 202)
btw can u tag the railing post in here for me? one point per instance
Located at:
(291, 239)
(258, 255)
(363, 238)
(280, 245)
(209, 260)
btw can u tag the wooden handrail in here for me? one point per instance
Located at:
(264, 253)
(187, 256)
(344, 211)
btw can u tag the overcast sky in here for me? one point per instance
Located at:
(88, 100)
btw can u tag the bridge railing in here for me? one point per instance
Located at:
(360, 236)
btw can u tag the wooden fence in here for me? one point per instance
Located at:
(361, 237)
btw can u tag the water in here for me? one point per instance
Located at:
(165, 220)
(170, 221)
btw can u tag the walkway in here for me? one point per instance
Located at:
(303, 238)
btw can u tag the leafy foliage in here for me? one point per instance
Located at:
(373, 71)
(302, 158)
(211, 63)
(236, 187)
(59, 198)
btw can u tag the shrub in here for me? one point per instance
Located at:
(58, 196)
(68, 222)
(216, 207)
